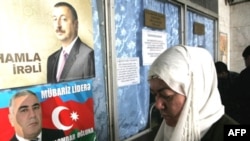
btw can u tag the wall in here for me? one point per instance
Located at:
(224, 27)
(240, 33)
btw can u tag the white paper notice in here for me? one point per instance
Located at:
(127, 71)
(153, 44)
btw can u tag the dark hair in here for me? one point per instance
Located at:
(246, 52)
(72, 9)
(220, 67)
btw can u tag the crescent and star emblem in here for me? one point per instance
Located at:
(56, 121)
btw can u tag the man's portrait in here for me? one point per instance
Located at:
(25, 116)
(41, 35)
(74, 59)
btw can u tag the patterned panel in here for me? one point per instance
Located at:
(205, 41)
(133, 100)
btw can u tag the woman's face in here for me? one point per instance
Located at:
(167, 101)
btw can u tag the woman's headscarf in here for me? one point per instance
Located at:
(189, 71)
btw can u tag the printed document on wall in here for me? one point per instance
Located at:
(153, 44)
(127, 71)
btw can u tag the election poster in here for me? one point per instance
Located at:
(31, 31)
(66, 110)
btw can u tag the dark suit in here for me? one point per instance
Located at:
(243, 95)
(47, 135)
(80, 63)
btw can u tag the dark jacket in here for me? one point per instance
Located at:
(243, 94)
(229, 94)
(47, 135)
(79, 65)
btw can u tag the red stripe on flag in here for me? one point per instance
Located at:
(6, 130)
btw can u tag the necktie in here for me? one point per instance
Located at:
(61, 64)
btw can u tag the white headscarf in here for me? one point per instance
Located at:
(189, 71)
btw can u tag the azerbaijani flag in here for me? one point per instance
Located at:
(66, 106)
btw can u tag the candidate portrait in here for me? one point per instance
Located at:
(25, 116)
(74, 59)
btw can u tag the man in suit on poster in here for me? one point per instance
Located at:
(25, 116)
(79, 57)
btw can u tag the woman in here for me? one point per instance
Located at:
(184, 83)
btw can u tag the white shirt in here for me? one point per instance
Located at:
(23, 139)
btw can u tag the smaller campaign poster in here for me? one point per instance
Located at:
(66, 110)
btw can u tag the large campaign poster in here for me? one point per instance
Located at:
(28, 37)
(67, 107)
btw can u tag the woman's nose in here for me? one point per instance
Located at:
(159, 104)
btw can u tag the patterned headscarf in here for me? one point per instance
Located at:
(189, 71)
